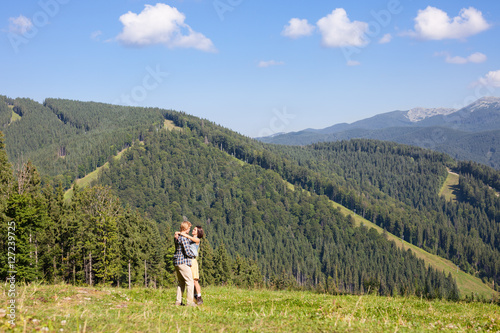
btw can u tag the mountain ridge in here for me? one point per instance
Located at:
(418, 114)
(442, 129)
(234, 186)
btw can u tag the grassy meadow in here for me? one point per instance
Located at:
(448, 190)
(15, 116)
(65, 308)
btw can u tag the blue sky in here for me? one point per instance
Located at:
(257, 67)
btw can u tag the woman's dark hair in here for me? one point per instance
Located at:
(200, 231)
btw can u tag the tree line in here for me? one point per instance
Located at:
(94, 238)
(91, 239)
(296, 237)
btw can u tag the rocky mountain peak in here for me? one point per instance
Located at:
(484, 103)
(418, 114)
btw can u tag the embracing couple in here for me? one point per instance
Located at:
(186, 265)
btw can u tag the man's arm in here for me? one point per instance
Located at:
(191, 238)
(186, 248)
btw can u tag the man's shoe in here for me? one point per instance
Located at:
(199, 300)
(177, 304)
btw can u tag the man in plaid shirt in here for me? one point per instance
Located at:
(182, 263)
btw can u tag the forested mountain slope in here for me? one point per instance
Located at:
(480, 147)
(255, 215)
(296, 238)
(69, 139)
(462, 232)
(237, 189)
(396, 187)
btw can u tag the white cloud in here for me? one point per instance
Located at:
(269, 63)
(385, 39)
(434, 24)
(353, 63)
(491, 79)
(456, 60)
(20, 25)
(96, 35)
(161, 24)
(477, 57)
(297, 28)
(338, 31)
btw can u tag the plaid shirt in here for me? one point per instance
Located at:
(183, 253)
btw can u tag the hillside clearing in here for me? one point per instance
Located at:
(68, 308)
(169, 125)
(15, 116)
(89, 178)
(85, 181)
(450, 187)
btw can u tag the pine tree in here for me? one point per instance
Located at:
(26, 207)
(5, 172)
(206, 263)
(246, 273)
(222, 264)
(102, 211)
(130, 247)
(170, 268)
(51, 240)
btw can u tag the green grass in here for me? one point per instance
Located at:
(85, 181)
(449, 188)
(169, 125)
(15, 116)
(64, 308)
(89, 178)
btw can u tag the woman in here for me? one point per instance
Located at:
(195, 246)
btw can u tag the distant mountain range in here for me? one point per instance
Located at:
(470, 133)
